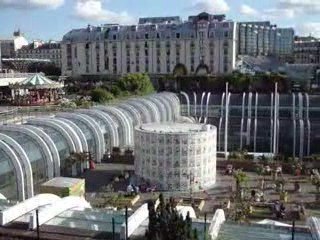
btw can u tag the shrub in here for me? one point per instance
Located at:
(136, 83)
(101, 95)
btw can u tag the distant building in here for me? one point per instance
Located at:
(42, 50)
(10, 46)
(307, 51)
(247, 64)
(263, 38)
(155, 45)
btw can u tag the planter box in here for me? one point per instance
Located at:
(63, 187)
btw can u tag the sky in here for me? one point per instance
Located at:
(51, 19)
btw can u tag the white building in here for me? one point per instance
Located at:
(154, 45)
(10, 46)
(176, 156)
(42, 50)
(262, 38)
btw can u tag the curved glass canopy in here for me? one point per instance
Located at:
(42, 148)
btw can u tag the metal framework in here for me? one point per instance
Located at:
(244, 118)
(96, 130)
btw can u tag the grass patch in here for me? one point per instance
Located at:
(118, 200)
(260, 213)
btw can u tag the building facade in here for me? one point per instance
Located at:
(263, 38)
(307, 51)
(10, 46)
(42, 50)
(154, 45)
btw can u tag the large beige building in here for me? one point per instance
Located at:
(155, 45)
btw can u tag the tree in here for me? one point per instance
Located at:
(136, 83)
(101, 95)
(165, 223)
(116, 91)
(240, 178)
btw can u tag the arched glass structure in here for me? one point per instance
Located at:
(39, 149)
(107, 125)
(125, 127)
(92, 132)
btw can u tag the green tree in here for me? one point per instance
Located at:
(240, 177)
(136, 83)
(101, 95)
(116, 91)
(165, 223)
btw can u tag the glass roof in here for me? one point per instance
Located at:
(232, 231)
(90, 219)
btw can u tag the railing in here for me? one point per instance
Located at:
(21, 114)
(16, 75)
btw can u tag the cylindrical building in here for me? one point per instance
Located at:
(176, 156)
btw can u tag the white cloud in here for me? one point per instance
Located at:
(308, 28)
(211, 6)
(267, 14)
(93, 10)
(248, 11)
(30, 4)
(301, 6)
(276, 13)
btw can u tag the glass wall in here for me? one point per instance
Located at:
(61, 144)
(251, 119)
(8, 180)
(36, 157)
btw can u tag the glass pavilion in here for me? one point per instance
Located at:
(38, 150)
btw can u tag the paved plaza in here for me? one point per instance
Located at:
(215, 198)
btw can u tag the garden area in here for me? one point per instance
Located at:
(102, 91)
(266, 192)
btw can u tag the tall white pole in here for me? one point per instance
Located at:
(226, 122)
(275, 119)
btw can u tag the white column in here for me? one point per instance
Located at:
(226, 122)
(275, 120)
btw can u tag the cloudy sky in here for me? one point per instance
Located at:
(50, 19)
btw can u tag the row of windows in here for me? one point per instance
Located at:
(39, 51)
(40, 56)
(177, 35)
(158, 45)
